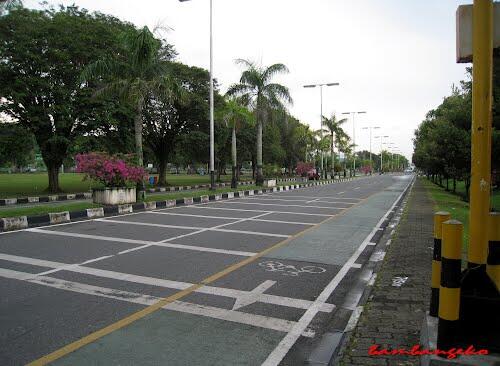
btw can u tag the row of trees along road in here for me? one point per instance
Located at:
(442, 141)
(73, 81)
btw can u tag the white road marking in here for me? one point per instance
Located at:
(269, 212)
(276, 204)
(232, 218)
(177, 285)
(341, 192)
(252, 296)
(327, 197)
(143, 243)
(357, 188)
(195, 228)
(180, 306)
(277, 355)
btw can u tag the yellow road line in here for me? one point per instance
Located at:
(63, 351)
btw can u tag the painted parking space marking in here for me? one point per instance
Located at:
(255, 320)
(268, 212)
(238, 295)
(195, 228)
(144, 243)
(280, 205)
(232, 218)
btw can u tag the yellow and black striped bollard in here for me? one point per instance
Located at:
(439, 218)
(493, 261)
(449, 291)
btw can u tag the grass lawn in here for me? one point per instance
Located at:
(446, 201)
(36, 184)
(197, 193)
(9, 211)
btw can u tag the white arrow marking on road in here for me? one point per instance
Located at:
(252, 296)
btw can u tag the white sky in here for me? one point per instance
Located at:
(394, 59)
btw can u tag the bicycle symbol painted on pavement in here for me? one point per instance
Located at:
(290, 270)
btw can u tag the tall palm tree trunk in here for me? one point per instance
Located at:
(234, 181)
(259, 178)
(333, 159)
(140, 189)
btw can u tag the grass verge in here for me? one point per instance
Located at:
(446, 201)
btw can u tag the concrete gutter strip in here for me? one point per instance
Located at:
(24, 222)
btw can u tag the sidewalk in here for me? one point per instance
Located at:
(392, 317)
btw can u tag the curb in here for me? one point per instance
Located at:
(88, 195)
(24, 222)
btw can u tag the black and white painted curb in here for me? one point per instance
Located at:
(88, 195)
(369, 258)
(24, 222)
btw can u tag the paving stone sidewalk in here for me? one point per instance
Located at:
(392, 317)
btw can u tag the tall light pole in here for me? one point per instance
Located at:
(370, 128)
(354, 136)
(212, 147)
(321, 112)
(381, 152)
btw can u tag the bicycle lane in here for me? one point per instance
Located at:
(290, 279)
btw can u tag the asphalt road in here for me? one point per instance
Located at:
(248, 281)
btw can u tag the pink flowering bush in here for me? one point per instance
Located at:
(303, 169)
(109, 170)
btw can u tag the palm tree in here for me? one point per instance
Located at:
(134, 75)
(342, 141)
(235, 117)
(333, 127)
(257, 92)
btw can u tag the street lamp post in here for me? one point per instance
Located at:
(321, 113)
(370, 128)
(381, 152)
(354, 136)
(212, 147)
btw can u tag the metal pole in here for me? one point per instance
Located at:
(482, 41)
(354, 144)
(321, 124)
(212, 147)
(381, 156)
(370, 150)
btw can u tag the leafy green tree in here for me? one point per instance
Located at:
(43, 53)
(134, 75)
(16, 146)
(261, 95)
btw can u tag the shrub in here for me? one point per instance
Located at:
(304, 168)
(109, 170)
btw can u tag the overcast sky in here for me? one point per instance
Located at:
(394, 59)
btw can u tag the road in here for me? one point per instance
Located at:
(257, 280)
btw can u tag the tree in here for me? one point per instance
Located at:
(257, 92)
(235, 116)
(16, 145)
(134, 75)
(333, 127)
(43, 53)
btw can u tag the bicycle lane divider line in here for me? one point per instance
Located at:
(71, 347)
(277, 355)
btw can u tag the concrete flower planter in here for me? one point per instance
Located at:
(269, 183)
(114, 195)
